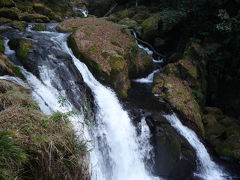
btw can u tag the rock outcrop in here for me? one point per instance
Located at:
(109, 50)
(176, 84)
(222, 133)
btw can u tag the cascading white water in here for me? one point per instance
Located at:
(116, 153)
(115, 126)
(148, 79)
(147, 50)
(207, 169)
(15, 80)
(83, 11)
(7, 50)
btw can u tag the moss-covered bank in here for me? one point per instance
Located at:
(33, 145)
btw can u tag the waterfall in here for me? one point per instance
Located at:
(207, 169)
(80, 10)
(115, 129)
(147, 50)
(117, 151)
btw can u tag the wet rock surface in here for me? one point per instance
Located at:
(45, 52)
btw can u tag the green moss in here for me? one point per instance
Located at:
(2, 48)
(19, 25)
(147, 25)
(17, 71)
(39, 27)
(117, 63)
(94, 49)
(25, 47)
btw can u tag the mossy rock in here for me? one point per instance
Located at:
(131, 24)
(222, 133)
(42, 9)
(2, 47)
(4, 20)
(7, 3)
(110, 54)
(8, 68)
(9, 13)
(141, 16)
(25, 47)
(179, 95)
(22, 47)
(94, 67)
(21, 25)
(143, 64)
(150, 27)
(39, 27)
(34, 18)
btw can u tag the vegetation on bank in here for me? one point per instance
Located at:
(35, 146)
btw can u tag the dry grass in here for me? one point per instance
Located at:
(46, 147)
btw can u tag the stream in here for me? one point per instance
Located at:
(119, 149)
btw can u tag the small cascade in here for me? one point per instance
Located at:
(148, 79)
(7, 50)
(207, 169)
(116, 152)
(159, 59)
(15, 80)
(84, 12)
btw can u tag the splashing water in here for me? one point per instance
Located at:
(207, 168)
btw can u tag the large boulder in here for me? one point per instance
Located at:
(24, 48)
(161, 23)
(182, 84)
(222, 133)
(109, 50)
